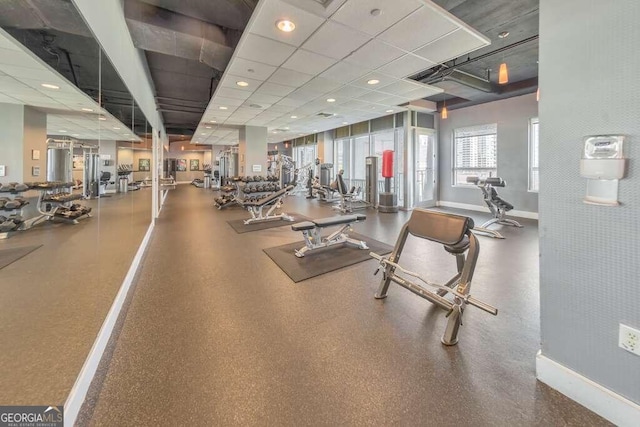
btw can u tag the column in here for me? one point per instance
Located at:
(23, 147)
(252, 150)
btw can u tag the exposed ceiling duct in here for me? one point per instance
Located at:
(163, 31)
(233, 14)
(58, 15)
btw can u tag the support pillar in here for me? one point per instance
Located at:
(252, 151)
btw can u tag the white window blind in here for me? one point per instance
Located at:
(534, 148)
(475, 152)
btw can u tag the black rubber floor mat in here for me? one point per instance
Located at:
(324, 260)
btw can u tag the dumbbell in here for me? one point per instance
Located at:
(11, 205)
(8, 225)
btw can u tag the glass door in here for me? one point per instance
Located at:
(425, 168)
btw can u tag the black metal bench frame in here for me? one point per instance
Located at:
(314, 240)
(454, 233)
(496, 205)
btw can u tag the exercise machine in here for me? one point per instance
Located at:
(314, 240)
(497, 205)
(454, 233)
(348, 199)
(271, 202)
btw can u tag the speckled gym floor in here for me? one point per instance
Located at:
(214, 333)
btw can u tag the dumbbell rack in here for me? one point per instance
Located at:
(255, 194)
(55, 196)
(18, 211)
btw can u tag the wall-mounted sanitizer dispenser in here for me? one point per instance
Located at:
(603, 164)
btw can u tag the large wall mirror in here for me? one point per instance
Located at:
(75, 202)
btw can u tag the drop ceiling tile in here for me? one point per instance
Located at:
(273, 11)
(228, 102)
(395, 100)
(288, 77)
(290, 102)
(227, 92)
(304, 94)
(383, 80)
(425, 92)
(266, 51)
(407, 65)
(335, 40)
(9, 100)
(354, 104)
(278, 109)
(307, 62)
(400, 87)
(373, 96)
(421, 27)
(263, 98)
(374, 54)
(345, 72)
(241, 67)
(18, 58)
(322, 85)
(231, 80)
(28, 73)
(357, 14)
(274, 89)
(450, 46)
(351, 91)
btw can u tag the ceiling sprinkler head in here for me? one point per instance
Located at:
(375, 12)
(503, 34)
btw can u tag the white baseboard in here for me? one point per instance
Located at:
(478, 208)
(83, 381)
(602, 401)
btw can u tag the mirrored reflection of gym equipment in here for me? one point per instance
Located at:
(228, 164)
(454, 233)
(497, 205)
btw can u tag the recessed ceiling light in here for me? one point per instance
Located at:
(89, 110)
(223, 108)
(373, 82)
(331, 100)
(345, 123)
(50, 86)
(213, 121)
(294, 117)
(242, 84)
(75, 134)
(207, 127)
(389, 111)
(285, 25)
(117, 128)
(203, 133)
(62, 131)
(315, 130)
(287, 128)
(102, 118)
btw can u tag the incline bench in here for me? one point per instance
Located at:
(496, 204)
(273, 201)
(313, 239)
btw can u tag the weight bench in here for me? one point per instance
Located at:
(454, 233)
(313, 239)
(273, 202)
(497, 205)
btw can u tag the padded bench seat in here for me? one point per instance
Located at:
(337, 220)
(301, 226)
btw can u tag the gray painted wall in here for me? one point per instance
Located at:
(590, 255)
(512, 116)
(11, 135)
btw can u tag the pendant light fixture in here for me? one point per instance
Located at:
(444, 114)
(503, 72)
